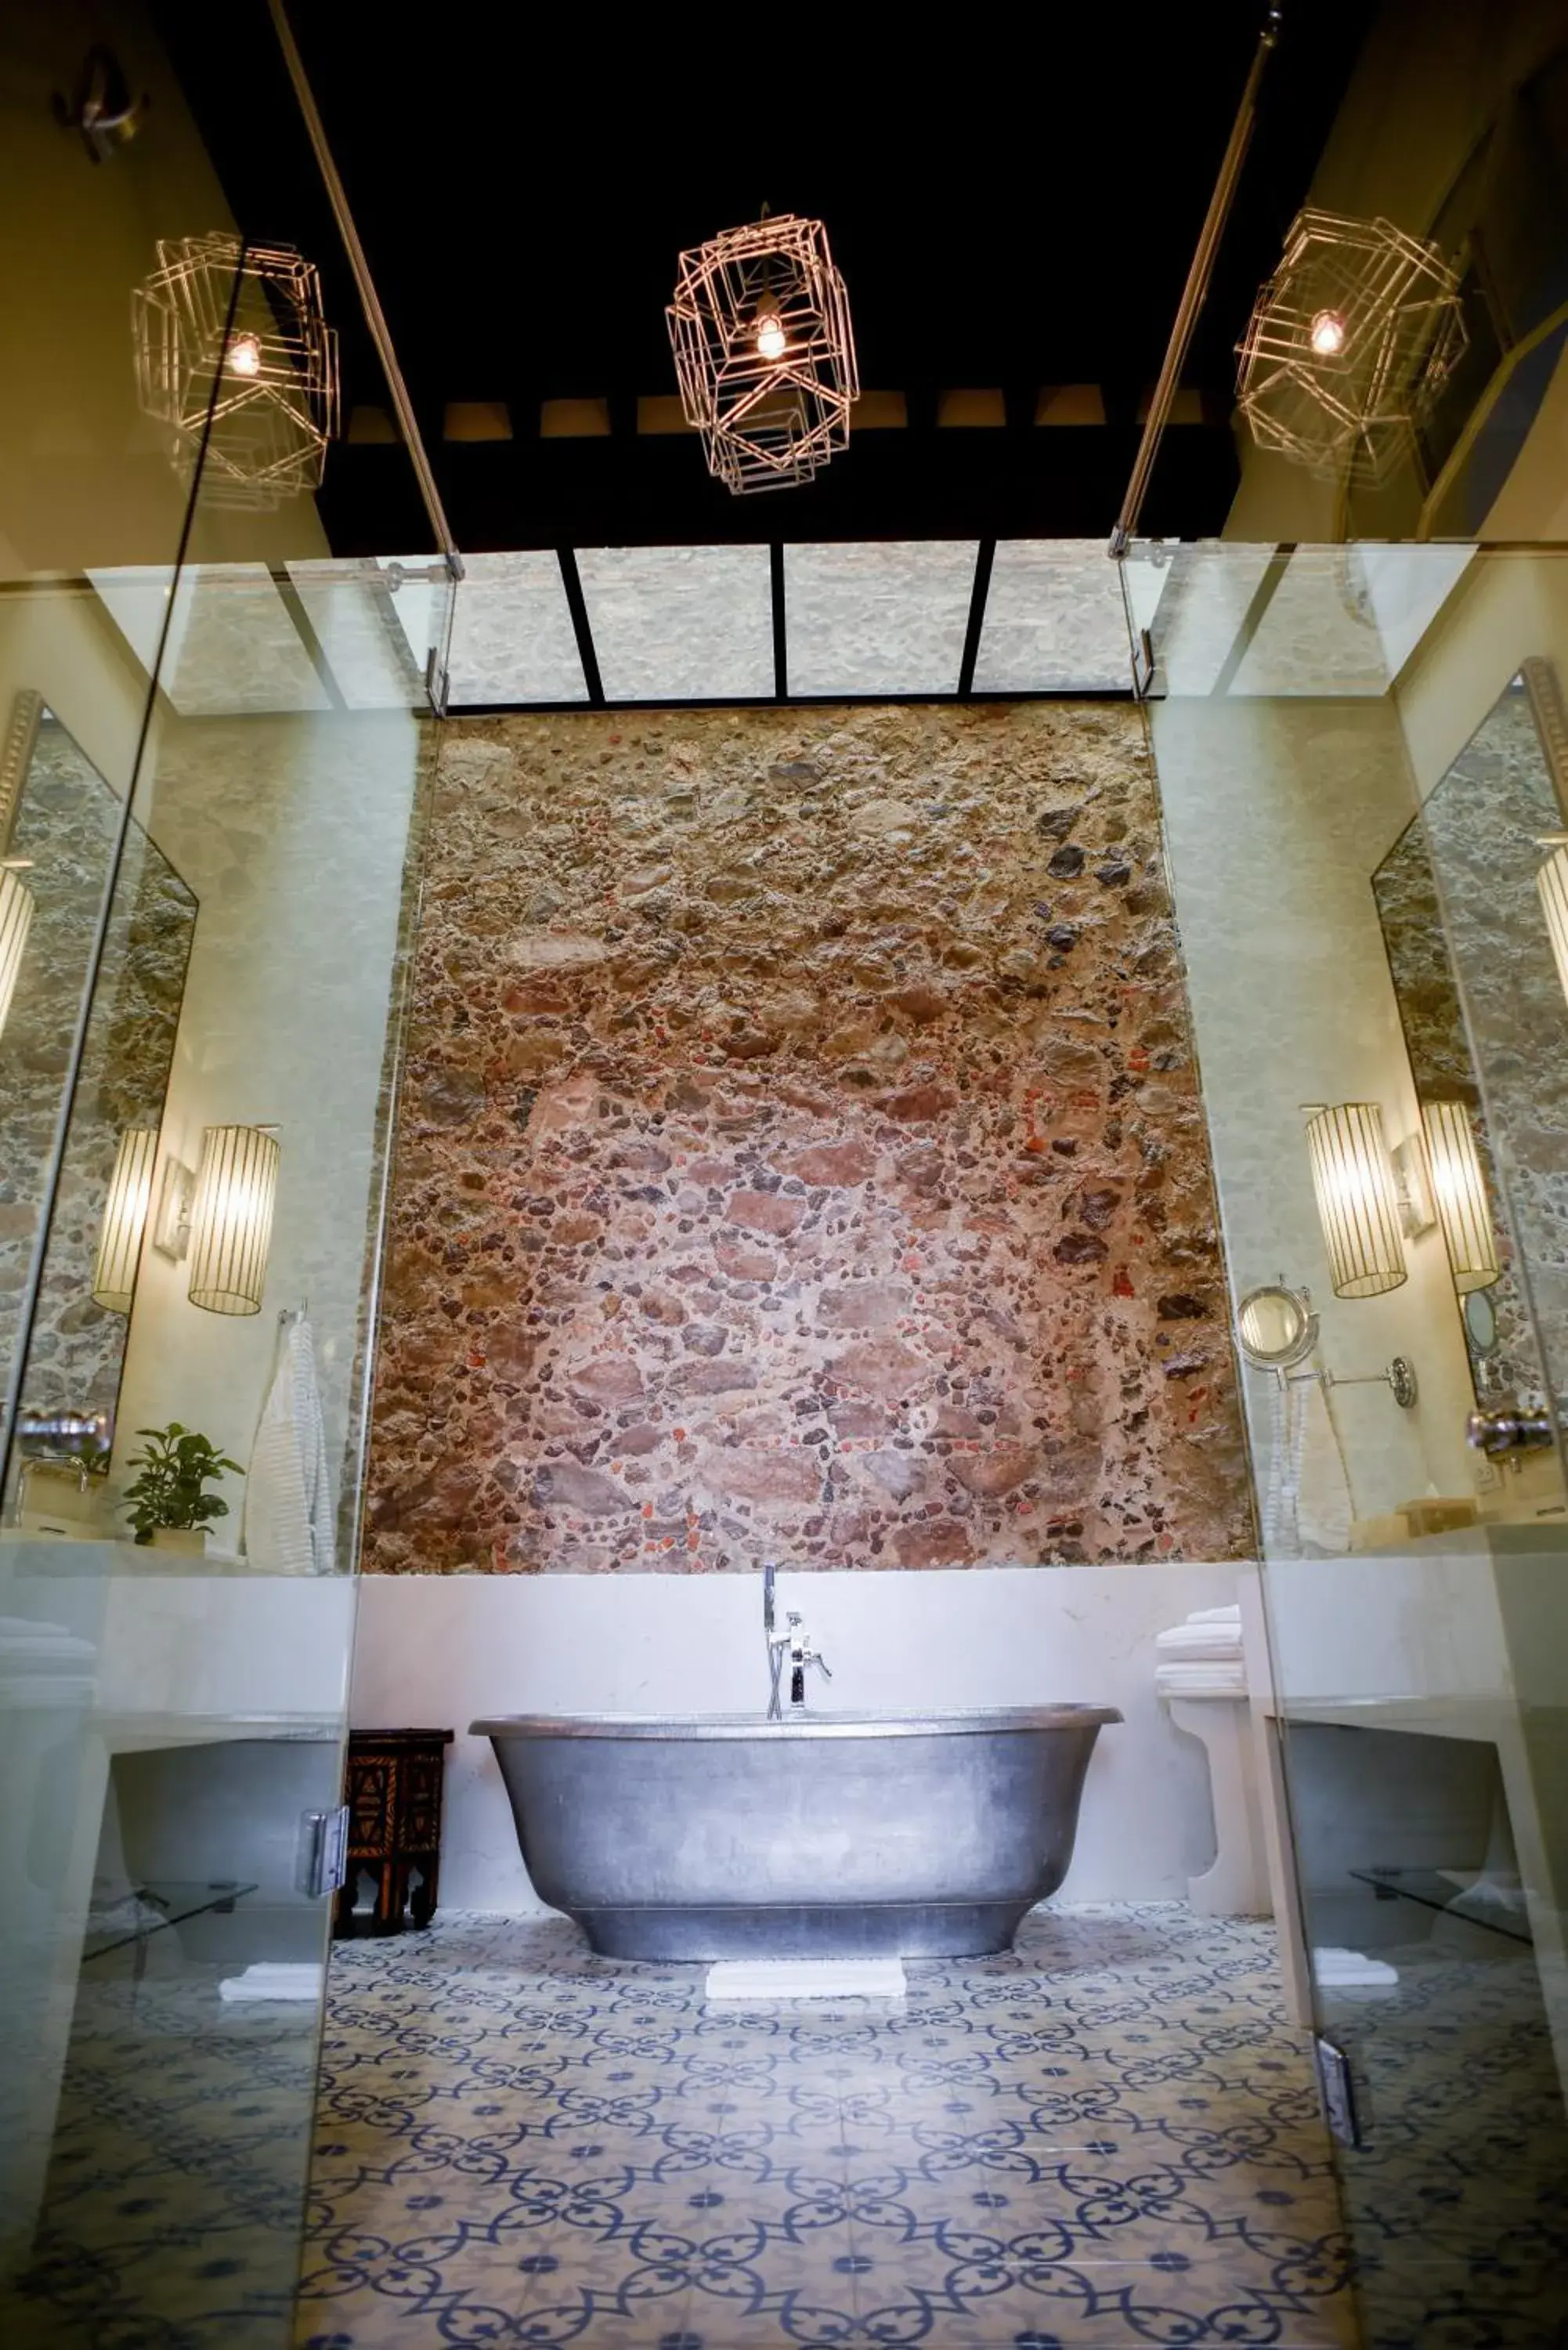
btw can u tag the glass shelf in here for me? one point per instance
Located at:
(146, 1909)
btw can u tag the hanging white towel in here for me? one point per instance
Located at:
(289, 1492)
(1323, 1505)
(1281, 1468)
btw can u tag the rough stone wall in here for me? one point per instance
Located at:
(801, 1156)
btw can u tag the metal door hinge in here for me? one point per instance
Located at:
(1146, 686)
(323, 1860)
(1338, 2091)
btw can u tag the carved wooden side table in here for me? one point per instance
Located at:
(392, 1786)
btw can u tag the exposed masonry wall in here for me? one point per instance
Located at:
(801, 1156)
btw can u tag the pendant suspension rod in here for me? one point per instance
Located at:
(1195, 292)
(375, 316)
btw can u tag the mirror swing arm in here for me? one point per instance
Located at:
(1277, 1312)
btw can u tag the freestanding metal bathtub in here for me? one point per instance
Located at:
(842, 1836)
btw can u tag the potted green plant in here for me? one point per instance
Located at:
(166, 1501)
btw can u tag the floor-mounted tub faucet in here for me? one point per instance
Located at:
(795, 1641)
(801, 1654)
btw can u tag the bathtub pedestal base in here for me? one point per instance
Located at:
(892, 1930)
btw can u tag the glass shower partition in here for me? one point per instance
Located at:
(212, 797)
(1360, 750)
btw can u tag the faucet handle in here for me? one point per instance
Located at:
(1509, 1431)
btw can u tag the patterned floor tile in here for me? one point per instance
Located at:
(1106, 2137)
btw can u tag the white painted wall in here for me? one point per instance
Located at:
(439, 1652)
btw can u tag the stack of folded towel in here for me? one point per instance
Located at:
(1336, 1970)
(275, 1978)
(1202, 1657)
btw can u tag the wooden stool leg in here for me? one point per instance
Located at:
(422, 1903)
(385, 1916)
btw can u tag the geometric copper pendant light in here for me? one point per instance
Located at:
(1348, 345)
(764, 354)
(247, 319)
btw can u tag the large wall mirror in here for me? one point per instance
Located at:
(1465, 935)
(58, 834)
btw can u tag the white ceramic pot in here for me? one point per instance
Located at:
(190, 1541)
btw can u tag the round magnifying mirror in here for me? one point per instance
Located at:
(1276, 1327)
(1481, 1322)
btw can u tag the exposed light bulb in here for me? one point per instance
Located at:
(244, 355)
(1327, 335)
(772, 340)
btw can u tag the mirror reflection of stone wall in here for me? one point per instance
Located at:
(66, 823)
(1484, 824)
(1484, 1011)
(1406, 888)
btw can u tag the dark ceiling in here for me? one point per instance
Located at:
(1012, 204)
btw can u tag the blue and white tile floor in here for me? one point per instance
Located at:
(1107, 2138)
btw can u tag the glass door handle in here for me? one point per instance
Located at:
(1512, 1428)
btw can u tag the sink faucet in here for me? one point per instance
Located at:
(81, 1440)
(795, 1641)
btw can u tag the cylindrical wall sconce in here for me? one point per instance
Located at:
(1460, 1195)
(1552, 883)
(125, 1219)
(231, 1224)
(1357, 1204)
(15, 921)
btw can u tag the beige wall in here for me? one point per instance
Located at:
(1431, 77)
(294, 832)
(1282, 792)
(84, 479)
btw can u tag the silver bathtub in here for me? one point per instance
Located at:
(869, 1835)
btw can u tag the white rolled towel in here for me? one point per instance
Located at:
(1188, 1641)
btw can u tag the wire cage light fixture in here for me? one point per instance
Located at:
(1460, 1195)
(238, 329)
(124, 1219)
(1348, 345)
(15, 921)
(765, 353)
(230, 1222)
(1356, 1203)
